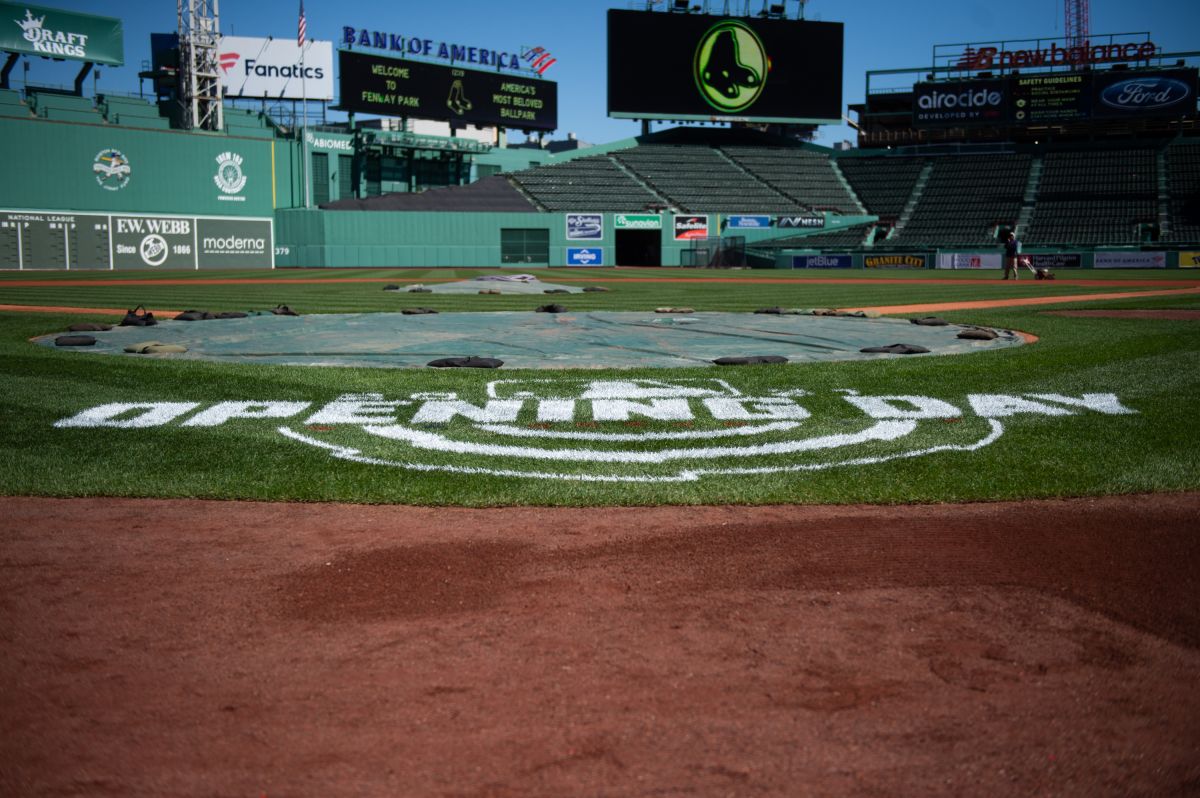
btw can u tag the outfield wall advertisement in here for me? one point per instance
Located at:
(274, 68)
(1130, 260)
(52, 33)
(1189, 260)
(1056, 98)
(969, 260)
(76, 241)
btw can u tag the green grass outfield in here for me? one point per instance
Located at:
(1151, 367)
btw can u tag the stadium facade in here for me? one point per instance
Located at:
(1093, 157)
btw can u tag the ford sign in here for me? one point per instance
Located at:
(1145, 93)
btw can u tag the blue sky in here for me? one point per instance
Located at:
(878, 35)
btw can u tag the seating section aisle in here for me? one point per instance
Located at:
(966, 199)
(11, 104)
(1094, 197)
(1183, 181)
(593, 183)
(806, 176)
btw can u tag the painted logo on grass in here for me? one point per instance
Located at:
(620, 430)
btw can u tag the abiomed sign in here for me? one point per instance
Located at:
(617, 430)
(52, 33)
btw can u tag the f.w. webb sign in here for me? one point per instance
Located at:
(619, 430)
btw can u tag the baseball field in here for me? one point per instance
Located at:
(926, 574)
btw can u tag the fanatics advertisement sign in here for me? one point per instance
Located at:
(271, 69)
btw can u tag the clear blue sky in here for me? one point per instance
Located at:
(879, 35)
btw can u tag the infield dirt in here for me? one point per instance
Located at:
(196, 648)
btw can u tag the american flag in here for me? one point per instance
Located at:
(301, 27)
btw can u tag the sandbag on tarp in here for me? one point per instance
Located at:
(195, 315)
(75, 340)
(930, 321)
(551, 309)
(977, 334)
(418, 311)
(135, 319)
(466, 363)
(896, 349)
(750, 360)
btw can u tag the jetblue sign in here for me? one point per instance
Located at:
(429, 48)
(585, 256)
(822, 261)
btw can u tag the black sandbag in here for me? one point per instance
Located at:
(195, 315)
(418, 311)
(897, 349)
(90, 326)
(466, 363)
(135, 319)
(750, 360)
(391, 287)
(978, 334)
(770, 311)
(595, 289)
(283, 310)
(232, 314)
(74, 340)
(551, 309)
(556, 291)
(930, 321)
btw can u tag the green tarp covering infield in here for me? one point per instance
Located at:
(532, 340)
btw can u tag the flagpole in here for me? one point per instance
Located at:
(302, 40)
(304, 131)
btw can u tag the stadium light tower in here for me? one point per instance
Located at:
(199, 79)
(1076, 27)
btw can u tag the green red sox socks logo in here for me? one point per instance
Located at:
(620, 430)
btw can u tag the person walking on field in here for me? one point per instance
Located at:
(1012, 251)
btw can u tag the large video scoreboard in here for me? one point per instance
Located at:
(395, 87)
(713, 68)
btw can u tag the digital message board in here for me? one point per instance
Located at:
(713, 68)
(375, 84)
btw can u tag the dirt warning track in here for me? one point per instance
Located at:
(194, 648)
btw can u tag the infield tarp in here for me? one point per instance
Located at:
(533, 340)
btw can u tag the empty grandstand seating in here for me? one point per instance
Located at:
(64, 107)
(883, 184)
(131, 112)
(804, 176)
(594, 183)
(1183, 182)
(966, 198)
(11, 104)
(1095, 197)
(698, 178)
